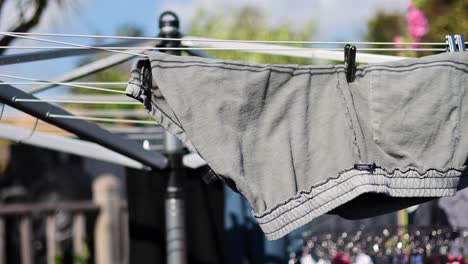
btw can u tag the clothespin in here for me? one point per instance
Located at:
(460, 41)
(350, 62)
(451, 43)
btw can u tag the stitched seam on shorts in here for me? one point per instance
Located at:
(411, 69)
(165, 114)
(415, 65)
(296, 73)
(348, 116)
(303, 67)
(242, 64)
(393, 172)
(337, 197)
(357, 175)
(292, 73)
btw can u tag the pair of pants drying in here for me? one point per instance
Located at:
(300, 141)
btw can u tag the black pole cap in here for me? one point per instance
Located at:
(168, 19)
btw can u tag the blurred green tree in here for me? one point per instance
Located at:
(446, 17)
(248, 23)
(384, 26)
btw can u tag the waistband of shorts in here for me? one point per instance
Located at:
(307, 205)
(454, 59)
(167, 61)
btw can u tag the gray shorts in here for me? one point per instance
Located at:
(300, 141)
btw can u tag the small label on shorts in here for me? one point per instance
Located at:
(364, 167)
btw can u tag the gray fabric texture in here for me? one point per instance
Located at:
(300, 141)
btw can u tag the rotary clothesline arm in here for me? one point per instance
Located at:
(83, 129)
(60, 53)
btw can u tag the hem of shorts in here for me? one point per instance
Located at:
(303, 208)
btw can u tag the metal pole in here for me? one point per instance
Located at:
(174, 204)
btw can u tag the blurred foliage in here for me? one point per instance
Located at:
(383, 27)
(85, 256)
(444, 16)
(248, 23)
(420, 3)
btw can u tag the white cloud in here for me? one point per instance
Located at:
(335, 19)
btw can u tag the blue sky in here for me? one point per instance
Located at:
(335, 20)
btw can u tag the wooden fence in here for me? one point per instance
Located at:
(110, 228)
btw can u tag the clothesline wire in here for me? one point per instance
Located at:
(71, 83)
(103, 119)
(63, 83)
(70, 44)
(166, 48)
(114, 49)
(195, 39)
(46, 100)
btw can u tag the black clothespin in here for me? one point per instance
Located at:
(460, 40)
(451, 43)
(350, 62)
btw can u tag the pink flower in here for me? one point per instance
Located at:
(398, 40)
(417, 23)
